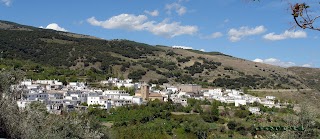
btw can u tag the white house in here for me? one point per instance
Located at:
(212, 92)
(112, 80)
(267, 103)
(105, 103)
(235, 92)
(50, 82)
(93, 99)
(271, 97)
(126, 97)
(235, 96)
(173, 89)
(182, 101)
(77, 85)
(251, 99)
(70, 98)
(22, 104)
(55, 95)
(228, 91)
(133, 99)
(164, 93)
(137, 100)
(117, 82)
(33, 86)
(55, 102)
(229, 100)
(184, 95)
(36, 96)
(26, 82)
(120, 102)
(238, 102)
(114, 93)
(123, 84)
(254, 110)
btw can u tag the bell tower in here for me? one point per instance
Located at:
(145, 91)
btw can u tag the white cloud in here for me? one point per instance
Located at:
(237, 34)
(78, 22)
(171, 29)
(123, 21)
(182, 47)
(152, 13)
(276, 62)
(212, 36)
(182, 10)
(258, 60)
(202, 50)
(306, 65)
(7, 2)
(54, 26)
(141, 23)
(179, 9)
(285, 35)
(216, 35)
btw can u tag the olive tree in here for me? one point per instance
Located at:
(305, 120)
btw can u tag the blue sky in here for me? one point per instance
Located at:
(260, 31)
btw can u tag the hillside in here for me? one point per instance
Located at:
(44, 53)
(311, 76)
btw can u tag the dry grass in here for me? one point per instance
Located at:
(107, 124)
(239, 65)
(151, 75)
(310, 75)
(78, 35)
(58, 41)
(242, 65)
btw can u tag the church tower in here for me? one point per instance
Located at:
(145, 91)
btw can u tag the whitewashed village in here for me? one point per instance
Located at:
(57, 96)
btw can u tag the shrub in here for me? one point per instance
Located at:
(232, 125)
(136, 75)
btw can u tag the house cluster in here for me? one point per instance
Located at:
(57, 96)
(74, 95)
(119, 83)
(240, 98)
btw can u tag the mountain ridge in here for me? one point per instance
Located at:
(67, 56)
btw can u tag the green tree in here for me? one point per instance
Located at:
(136, 75)
(197, 108)
(242, 113)
(214, 107)
(232, 125)
(84, 104)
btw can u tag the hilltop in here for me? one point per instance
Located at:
(50, 54)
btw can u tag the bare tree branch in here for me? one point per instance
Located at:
(302, 18)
